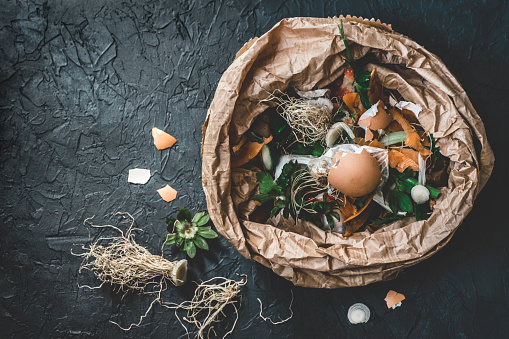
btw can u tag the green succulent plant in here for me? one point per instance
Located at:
(187, 233)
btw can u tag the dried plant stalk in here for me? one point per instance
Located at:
(209, 301)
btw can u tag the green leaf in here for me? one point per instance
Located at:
(388, 218)
(184, 214)
(170, 239)
(422, 211)
(200, 242)
(352, 62)
(393, 201)
(364, 98)
(315, 149)
(405, 203)
(190, 248)
(179, 242)
(203, 220)
(285, 177)
(198, 216)
(170, 224)
(274, 211)
(330, 221)
(362, 77)
(207, 232)
(336, 215)
(267, 184)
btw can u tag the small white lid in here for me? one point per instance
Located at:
(358, 313)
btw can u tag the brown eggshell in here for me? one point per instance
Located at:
(380, 121)
(168, 193)
(162, 140)
(393, 298)
(355, 175)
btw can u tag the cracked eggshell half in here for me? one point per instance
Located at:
(376, 117)
(354, 174)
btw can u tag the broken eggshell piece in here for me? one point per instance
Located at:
(162, 140)
(374, 118)
(416, 109)
(138, 176)
(394, 299)
(168, 193)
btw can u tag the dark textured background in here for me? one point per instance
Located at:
(83, 82)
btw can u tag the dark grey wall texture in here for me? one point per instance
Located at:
(83, 82)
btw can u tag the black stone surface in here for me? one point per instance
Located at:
(83, 82)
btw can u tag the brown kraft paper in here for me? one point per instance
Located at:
(308, 53)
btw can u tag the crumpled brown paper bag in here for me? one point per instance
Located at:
(308, 53)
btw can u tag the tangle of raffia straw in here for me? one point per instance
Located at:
(208, 303)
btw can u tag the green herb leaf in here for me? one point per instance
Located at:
(179, 225)
(362, 78)
(184, 214)
(405, 203)
(336, 215)
(422, 211)
(200, 243)
(330, 221)
(267, 183)
(203, 220)
(180, 242)
(170, 239)
(286, 174)
(190, 248)
(388, 218)
(274, 211)
(361, 86)
(316, 149)
(207, 232)
(392, 199)
(352, 62)
(198, 215)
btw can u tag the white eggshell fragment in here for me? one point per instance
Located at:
(416, 109)
(138, 176)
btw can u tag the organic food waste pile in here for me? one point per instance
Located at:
(346, 157)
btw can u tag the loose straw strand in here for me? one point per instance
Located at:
(277, 322)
